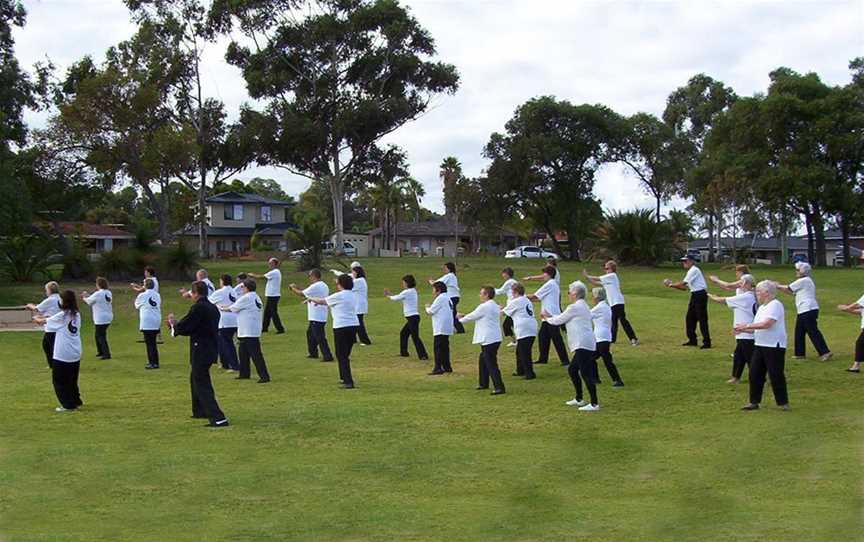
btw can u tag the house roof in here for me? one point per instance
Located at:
(266, 230)
(431, 228)
(238, 197)
(837, 235)
(90, 231)
(766, 244)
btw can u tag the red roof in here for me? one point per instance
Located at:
(91, 230)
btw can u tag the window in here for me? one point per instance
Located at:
(266, 213)
(533, 250)
(234, 211)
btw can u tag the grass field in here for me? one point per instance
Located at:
(412, 457)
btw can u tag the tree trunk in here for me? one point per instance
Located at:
(819, 233)
(573, 241)
(847, 250)
(657, 216)
(336, 195)
(396, 231)
(203, 245)
(711, 236)
(808, 223)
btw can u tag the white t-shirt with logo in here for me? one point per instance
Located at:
(521, 310)
(149, 305)
(210, 287)
(249, 309)
(441, 311)
(274, 283)
(317, 290)
(774, 336)
(343, 305)
(742, 306)
(612, 286)
(695, 280)
(409, 300)
(67, 342)
(101, 302)
(225, 297)
(361, 290)
(805, 295)
(49, 306)
(601, 314)
(549, 295)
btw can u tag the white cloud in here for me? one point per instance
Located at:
(628, 55)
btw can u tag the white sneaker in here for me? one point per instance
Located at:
(61, 409)
(827, 357)
(511, 344)
(634, 342)
(590, 408)
(576, 402)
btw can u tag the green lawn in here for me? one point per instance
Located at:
(412, 457)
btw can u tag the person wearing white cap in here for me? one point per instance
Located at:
(857, 309)
(744, 307)
(580, 338)
(487, 333)
(806, 323)
(769, 353)
(697, 309)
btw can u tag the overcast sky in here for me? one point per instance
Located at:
(628, 55)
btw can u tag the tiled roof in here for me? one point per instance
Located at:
(86, 229)
(237, 197)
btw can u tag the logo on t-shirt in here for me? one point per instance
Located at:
(232, 298)
(107, 298)
(258, 303)
(152, 302)
(71, 327)
(528, 310)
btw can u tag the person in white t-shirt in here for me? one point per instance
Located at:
(769, 354)
(149, 273)
(697, 309)
(857, 309)
(101, 303)
(316, 334)
(200, 276)
(580, 339)
(487, 333)
(453, 292)
(807, 321)
(552, 262)
(343, 306)
(744, 307)
(47, 308)
(410, 310)
(441, 312)
(248, 309)
(507, 290)
(601, 315)
(149, 305)
(66, 355)
(361, 291)
(615, 298)
(272, 293)
(549, 297)
(224, 297)
(521, 312)
(740, 271)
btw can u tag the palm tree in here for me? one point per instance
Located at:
(386, 197)
(415, 192)
(451, 175)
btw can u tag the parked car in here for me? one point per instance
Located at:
(348, 248)
(530, 252)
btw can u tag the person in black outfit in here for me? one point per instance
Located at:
(697, 309)
(201, 325)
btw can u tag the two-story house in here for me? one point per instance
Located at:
(233, 218)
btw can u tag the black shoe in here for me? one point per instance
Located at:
(436, 373)
(404, 355)
(280, 332)
(448, 370)
(311, 357)
(498, 392)
(326, 360)
(106, 358)
(751, 406)
(689, 344)
(517, 374)
(705, 347)
(482, 388)
(150, 366)
(218, 425)
(202, 417)
(424, 358)
(540, 362)
(618, 384)
(243, 378)
(530, 377)
(263, 380)
(347, 386)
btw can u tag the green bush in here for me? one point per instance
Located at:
(23, 258)
(178, 262)
(635, 237)
(76, 265)
(309, 235)
(118, 264)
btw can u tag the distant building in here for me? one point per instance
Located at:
(95, 238)
(436, 238)
(768, 249)
(232, 219)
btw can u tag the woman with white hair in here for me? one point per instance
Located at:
(808, 313)
(769, 353)
(857, 309)
(601, 314)
(744, 307)
(580, 338)
(47, 308)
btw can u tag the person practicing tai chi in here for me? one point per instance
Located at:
(549, 297)
(273, 292)
(580, 337)
(149, 273)
(343, 305)
(520, 311)
(506, 289)
(101, 303)
(47, 308)
(615, 298)
(697, 310)
(223, 298)
(769, 353)
(807, 321)
(551, 261)
(202, 276)
(248, 309)
(744, 307)
(201, 325)
(408, 297)
(66, 352)
(361, 290)
(442, 327)
(857, 309)
(601, 314)
(149, 305)
(736, 285)
(449, 279)
(487, 333)
(316, 333)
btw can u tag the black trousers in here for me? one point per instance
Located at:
(619, 315)
(524, 363)
(488, 367)
(585, 364)
(271, 312)
(456, 323)
(102, 349)
(316, 338)
(441, 351)
(412, 329)
(152, 350)
(507, 326)
(64, 376)
(250, 347)
(343, 342)
(697, 312)
(362, 336)
(551, 334)
(859, 347)
(605, 353)
(742, 356)
(773, 362)
(227, 350)
(48, 346)
(807, 324)
(204, 403)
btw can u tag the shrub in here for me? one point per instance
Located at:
(23, 258)
(177, 262)
(118, 264)
(76, 265)
(635, 237)
(310, 235)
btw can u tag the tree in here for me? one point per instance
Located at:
(415, 191)
(385, 181)
(455, 193)
(634, 237)
(335, 76)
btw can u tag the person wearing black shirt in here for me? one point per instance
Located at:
(201, 325)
